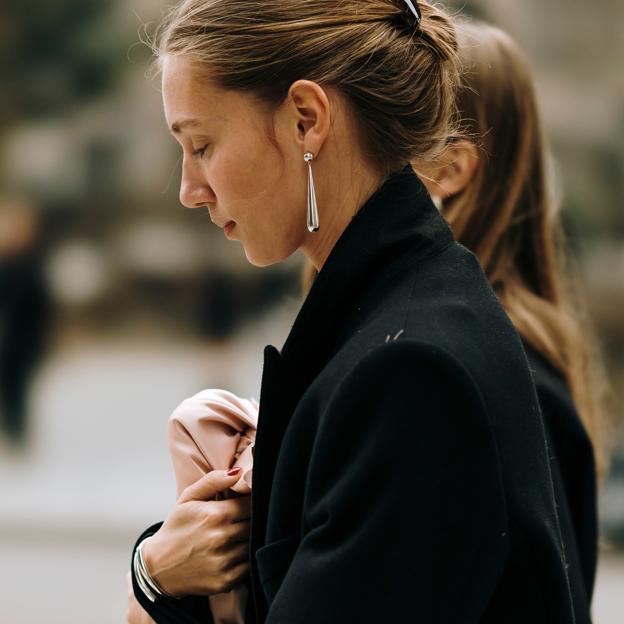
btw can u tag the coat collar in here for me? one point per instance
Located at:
(398, 218)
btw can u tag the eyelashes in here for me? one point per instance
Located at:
(199, 153)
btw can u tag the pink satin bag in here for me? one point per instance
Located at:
(215, 430)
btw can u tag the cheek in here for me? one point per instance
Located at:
(240, 171)
(276, 222)
(264, 192)
(261, 181)
(223, 173)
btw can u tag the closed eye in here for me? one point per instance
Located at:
(198, 153)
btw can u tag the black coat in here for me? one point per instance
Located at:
(573, 467)
(401, 468)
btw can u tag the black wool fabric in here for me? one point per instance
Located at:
(573, 465)
(402, 468)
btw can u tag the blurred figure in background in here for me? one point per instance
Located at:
(494, 189)
(23, 312)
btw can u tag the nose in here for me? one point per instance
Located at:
(195, 192)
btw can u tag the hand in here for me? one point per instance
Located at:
(202, 547)
(135, 613)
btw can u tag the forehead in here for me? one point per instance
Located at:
(190, 100)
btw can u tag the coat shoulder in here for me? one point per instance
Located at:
(413, 376)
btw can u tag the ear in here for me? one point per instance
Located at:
(451, 173)
(312, 115)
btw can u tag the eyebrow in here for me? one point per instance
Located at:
(178, 126)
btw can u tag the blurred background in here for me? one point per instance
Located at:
(116, 303)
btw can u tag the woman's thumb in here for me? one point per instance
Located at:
(207, 487)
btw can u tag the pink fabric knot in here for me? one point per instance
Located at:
(215, 430)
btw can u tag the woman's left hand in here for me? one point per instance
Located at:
(135, 613)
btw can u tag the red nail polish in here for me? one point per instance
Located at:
(233, 471)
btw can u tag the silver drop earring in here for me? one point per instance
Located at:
(313, 216)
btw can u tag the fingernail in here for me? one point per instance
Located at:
(233, 471)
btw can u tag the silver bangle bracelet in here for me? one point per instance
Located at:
(138, 575)
(147, 584)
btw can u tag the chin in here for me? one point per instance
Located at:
(265, 257)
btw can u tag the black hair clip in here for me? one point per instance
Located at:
(413, 7)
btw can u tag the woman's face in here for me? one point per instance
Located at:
(252, 187)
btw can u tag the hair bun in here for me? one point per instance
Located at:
(434, 33)
(428, 25)
(408, 16)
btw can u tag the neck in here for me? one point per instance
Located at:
(337, 211)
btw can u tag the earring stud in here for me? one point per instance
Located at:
(313, 216)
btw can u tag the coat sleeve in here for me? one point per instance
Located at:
(404, 509)
(189, 610)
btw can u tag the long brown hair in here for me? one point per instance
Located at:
(399, 79)
(508, 217)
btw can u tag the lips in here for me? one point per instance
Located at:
(228, 227)
(220, 223)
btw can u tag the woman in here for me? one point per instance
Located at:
(494, 191)
(401, 466)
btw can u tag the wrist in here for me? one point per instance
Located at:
(145, 564)
(150, 556)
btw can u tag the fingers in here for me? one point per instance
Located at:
(220, 514)
(237, 533)
(224, 512)
(223, 540)
(235, 576)
(209, 485)
(135, 613)
(236, 509)
(239, 554)
(239, 573)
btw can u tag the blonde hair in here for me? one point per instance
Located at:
(398, 78)
(507, 216)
